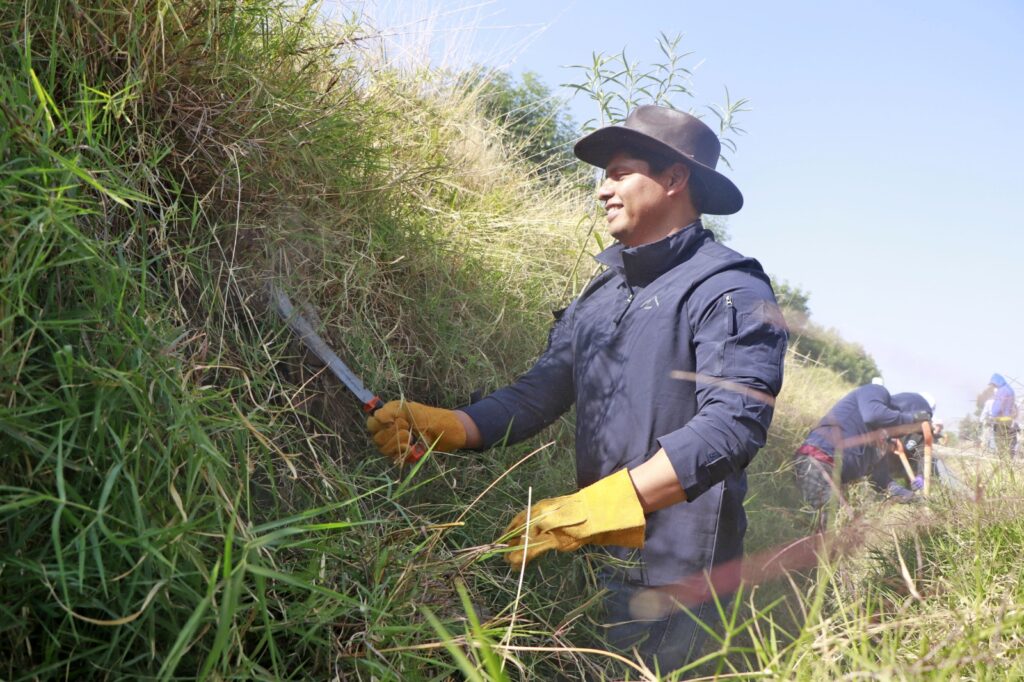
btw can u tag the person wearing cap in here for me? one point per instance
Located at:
(673, 357)
(855, 435)
(1001, 413)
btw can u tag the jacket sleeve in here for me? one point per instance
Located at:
(877, 413)
(739, 345)
(534, 400)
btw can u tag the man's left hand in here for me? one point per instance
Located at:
(605, 513)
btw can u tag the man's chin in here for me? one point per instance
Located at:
(619, 235)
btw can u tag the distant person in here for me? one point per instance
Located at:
(939, 431)
(855, 435)
(988, 441)
(1002, 413)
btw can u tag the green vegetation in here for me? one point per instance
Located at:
(183, 494)
(819, 344)
(532, 121)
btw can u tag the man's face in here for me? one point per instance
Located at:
(636, 201)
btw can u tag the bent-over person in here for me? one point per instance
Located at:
(854, 435)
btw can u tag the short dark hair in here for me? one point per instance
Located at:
(698, 190)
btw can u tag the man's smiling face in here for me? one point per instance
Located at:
(637, 202)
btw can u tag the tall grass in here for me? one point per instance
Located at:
(926, 592)
(183, 494)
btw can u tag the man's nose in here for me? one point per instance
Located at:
(605, 192)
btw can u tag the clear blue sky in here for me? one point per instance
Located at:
(883, 166)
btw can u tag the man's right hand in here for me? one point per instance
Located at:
(396, 424)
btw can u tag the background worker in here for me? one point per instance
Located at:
(673, 356)
(854, 435)
(939, 431)
(1001, 414)
(986, 437)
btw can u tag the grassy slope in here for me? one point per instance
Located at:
(182, 495)
(179, 496)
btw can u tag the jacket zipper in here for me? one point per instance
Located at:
(730, 313)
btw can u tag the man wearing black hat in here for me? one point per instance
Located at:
(673, 357)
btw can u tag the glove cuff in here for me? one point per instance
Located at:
(450, 430)
(615, 512)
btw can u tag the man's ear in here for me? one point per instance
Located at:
(678, 178)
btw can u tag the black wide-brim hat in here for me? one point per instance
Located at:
(673, 135)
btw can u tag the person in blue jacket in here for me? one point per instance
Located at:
(854, 435)
(1002, 414)
(673, 356)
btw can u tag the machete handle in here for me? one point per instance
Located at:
(373, 405)
(415, 453)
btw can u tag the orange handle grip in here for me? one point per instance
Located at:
(415, 454)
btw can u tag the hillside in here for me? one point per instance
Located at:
(185, 493)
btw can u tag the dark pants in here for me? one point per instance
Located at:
(648, 619)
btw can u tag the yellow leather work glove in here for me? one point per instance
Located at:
(605, 513)
(394, 425)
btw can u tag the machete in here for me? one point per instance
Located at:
(304, 330)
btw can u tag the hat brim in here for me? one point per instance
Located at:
(721, 196)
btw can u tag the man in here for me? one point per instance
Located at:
(673, 356)
(855, 433)
(1000, 413)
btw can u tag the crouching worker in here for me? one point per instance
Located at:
(673, 356)
(854, 435)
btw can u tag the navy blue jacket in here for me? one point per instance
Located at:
(678, 345)
(852, 429)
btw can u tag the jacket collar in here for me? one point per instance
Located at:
(641, 265)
